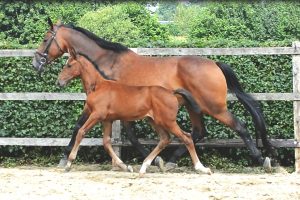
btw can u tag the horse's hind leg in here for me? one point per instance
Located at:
(163, 142)
(133, 139)
(198, 133)
(91, 121)
(187, 140)
(228, 119)
(107, 125)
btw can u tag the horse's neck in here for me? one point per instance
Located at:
(82, 44)
(90, 77)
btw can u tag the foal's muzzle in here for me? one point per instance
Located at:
(61, 83)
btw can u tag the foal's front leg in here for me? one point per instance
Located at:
(90, 123)
(82, 119)
(107, 126)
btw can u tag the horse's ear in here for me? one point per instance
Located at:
(72, 53)
(50, 23)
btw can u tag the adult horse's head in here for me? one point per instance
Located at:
(51, 48)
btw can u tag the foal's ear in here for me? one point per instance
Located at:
(50, 23)
(58, 23)
(72, 53)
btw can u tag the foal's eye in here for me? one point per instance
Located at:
(68, 65)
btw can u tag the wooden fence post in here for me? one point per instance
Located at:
(116, 136)
(296, 89)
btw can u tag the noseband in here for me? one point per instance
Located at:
(44, 55)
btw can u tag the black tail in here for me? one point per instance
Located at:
(189, 99)
(250, 104)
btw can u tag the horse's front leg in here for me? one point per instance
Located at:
(107, 126)
(137, 145)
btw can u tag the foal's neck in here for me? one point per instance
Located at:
(90, 77)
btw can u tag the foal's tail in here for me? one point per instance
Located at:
(250, 104)
(189, 99)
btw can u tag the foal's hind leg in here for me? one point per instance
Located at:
(136, 144)
(163, 142)
(187, 140)
(91, 121)
(198, 133)
(107, 125)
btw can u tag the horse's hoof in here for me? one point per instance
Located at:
(267, 165)
(160, 163)
(62, 163)
(129, 168)
(170, 166)
(281, 170)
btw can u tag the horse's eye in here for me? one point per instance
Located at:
(45, 40)
(68, 65)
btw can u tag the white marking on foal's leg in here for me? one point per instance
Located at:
(144, 167)
(201, 168)
(68, 166)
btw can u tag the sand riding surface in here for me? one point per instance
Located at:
(91, 183)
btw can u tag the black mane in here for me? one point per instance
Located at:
(116, 47)
(96, 66)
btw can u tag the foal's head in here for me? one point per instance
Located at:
(71, 70)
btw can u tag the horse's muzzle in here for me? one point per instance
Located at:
(38, 63)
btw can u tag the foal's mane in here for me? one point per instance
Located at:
(116, 47)
(95, 66)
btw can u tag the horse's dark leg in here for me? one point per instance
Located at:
(133, 139)
(198, 133)
(228, 119)
(82, 119)
(135, 143)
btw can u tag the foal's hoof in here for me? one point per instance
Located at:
(200, 168)
(160, 163)
(141, 175)
(67, 169)
(267, 164)
(129, 168)
(204, 171)
(68, 166)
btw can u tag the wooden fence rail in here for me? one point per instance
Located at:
(293, 51)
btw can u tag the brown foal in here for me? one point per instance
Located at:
(109, 100)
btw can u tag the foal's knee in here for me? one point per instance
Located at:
(106, 143)
(80, 135)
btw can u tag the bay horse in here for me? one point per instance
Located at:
(109, 100)
(206, 79)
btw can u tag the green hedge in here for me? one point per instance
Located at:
(222, 24)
